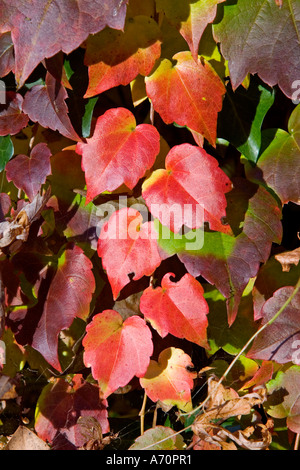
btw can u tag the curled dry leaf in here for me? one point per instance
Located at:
(288, 258)
(225, 403)
(18, 228)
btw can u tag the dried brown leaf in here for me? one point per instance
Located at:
(18, 228)
(288, 258)
(24, 439)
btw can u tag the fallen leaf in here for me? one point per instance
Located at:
(24, 439)
(287, 258)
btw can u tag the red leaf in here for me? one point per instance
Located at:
(124, 240)
(170, 380)
(116, 350)
(192, 186)
(59, 407)
(41, 28)
(12, 119)
(119, 151)
(46, 105)
(188, 93)
(69, 296)
(29, 173)
(115, 58)
(7, 62)
(178, 308)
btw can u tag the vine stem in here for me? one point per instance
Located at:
(245, 347)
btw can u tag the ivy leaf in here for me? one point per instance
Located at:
(116, 350)
(115, 58)
(46, 105)
(60, 405)
(170, 380)
(12, 118)
(170, 439)
(122, 244)
(41, 28)
(258, 37)
(7, 59)
(242, 116)
(6, 150)
(69, 296)
(29, 173)
(120, 150)
(189, 191)
(230, 262)
(271, 277)
(279, 341)
(178, 308)
(190, 18)
(279, 163)
(283, 400)
(188, 93)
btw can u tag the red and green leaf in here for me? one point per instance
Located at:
(190, 191)
(253, 37)
(189, 18)
(116, 58)
(170, 379)
(188, 93)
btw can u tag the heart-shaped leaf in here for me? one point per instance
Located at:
(178, 308)
(188, 93)
(116, 350)
(122, 244)
(116, 57)
(170, 380)
(119, 150)
(29, 173)
(190, 191)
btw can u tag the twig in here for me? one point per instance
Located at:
(142, 414)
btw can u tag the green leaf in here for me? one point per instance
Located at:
(242, 116)
(87, 117)
(279, 165)
(6, 150)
